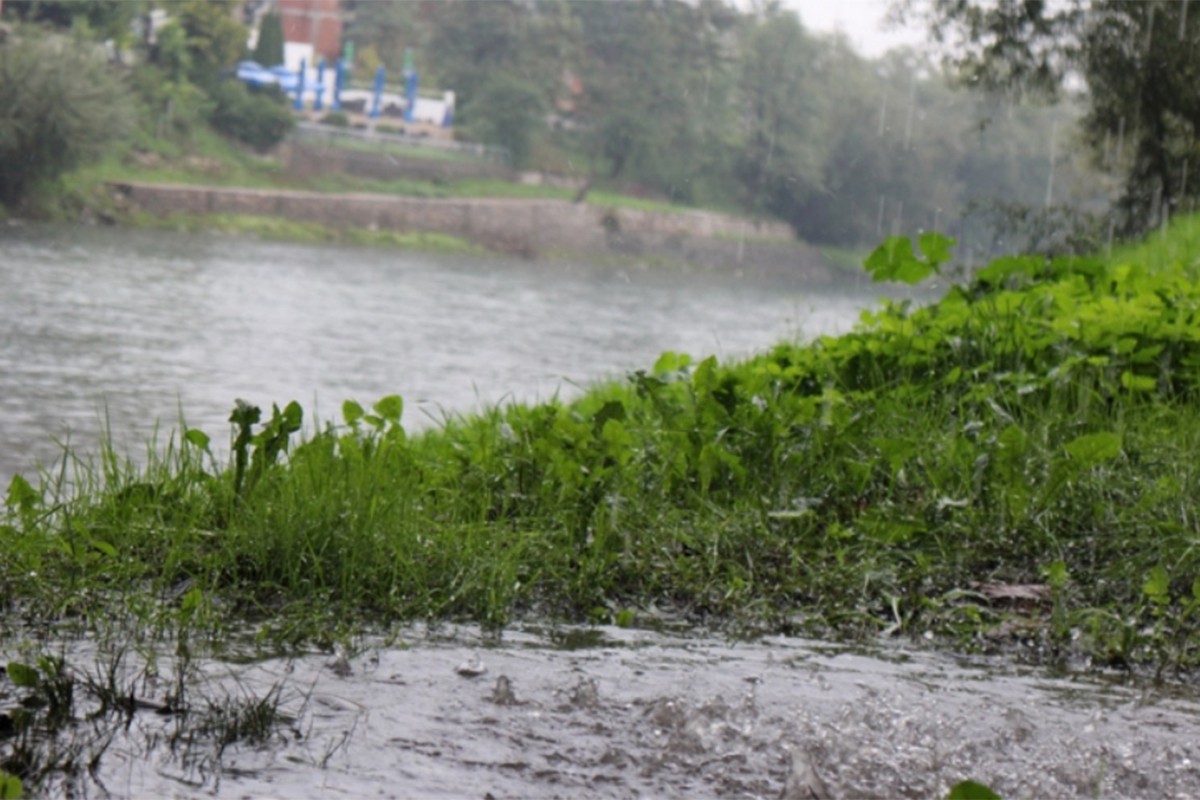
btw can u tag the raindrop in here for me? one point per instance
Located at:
(898, 218)
(1182, 18)
(882, 114)
(1050, 177)
(879, 219)
(912, 102)
(1149, 26)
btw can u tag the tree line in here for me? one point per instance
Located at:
(704, 103)
(711, 104)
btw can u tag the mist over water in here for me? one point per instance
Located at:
(134, 326)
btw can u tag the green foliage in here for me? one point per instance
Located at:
(867, 481)
(894, 259)
(971, 790)
(259, 118)
(10, 786)
(62, 107)
(268, 50)
(781, 159)
(1138, 63)
(214, 40)
(105, 19)
(507, 112)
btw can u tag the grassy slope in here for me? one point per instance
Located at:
(1037, 427)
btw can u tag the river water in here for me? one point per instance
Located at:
(133, 326)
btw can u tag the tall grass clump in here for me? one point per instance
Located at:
(1035, 429)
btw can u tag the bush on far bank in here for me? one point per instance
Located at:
(63, 104)
(257, 117)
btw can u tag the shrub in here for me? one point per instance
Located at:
(259, 118)
(337, 119)
(62, 106)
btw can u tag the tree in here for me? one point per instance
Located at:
(781, 108)
(108, 19)
(655, 90)
(387, 29)
(507, 111)
(1139, 62)
(215, 40)
(62, 105)
(268, 50)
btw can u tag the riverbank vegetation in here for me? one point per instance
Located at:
(634, 105)
(1009, 467)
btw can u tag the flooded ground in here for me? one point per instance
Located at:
(609, 712)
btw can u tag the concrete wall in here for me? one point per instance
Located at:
(525, 227)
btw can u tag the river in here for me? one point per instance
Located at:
(134, 326)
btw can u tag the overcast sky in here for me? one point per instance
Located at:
(861, 20)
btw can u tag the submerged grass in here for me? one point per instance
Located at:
(1036, 428)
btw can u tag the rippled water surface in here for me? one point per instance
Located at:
(641, 714)
(137, 324)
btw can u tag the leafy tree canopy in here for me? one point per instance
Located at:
(1137, 58)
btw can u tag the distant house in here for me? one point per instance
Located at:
(312, 28)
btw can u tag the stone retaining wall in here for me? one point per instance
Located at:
(526, 227)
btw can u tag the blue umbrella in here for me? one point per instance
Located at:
(320, 87)
(379, 77)
(338, 80)
(300, 87)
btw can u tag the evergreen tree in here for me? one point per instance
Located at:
(268, 51)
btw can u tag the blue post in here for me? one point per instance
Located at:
(411, 79)
(299, 105)
(338, 80)
(320, 87)
(379, 76)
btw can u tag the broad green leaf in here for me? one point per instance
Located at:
(613, 409)
(936, 248)
(1094, 448)
(970, 790)
(1056, 574)
(671, 361)
(1001, 268)
(1157, 587)
(21, 495)
(104, 547)
(1138, 383)
(10, 786)
(244, 414)
(293, 417)
(191, 601)
(197, 438)
(23, 674)
(390, 408)
(352, 412)
(894, 261)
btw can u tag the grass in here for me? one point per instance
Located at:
(1037, 426)
(281, 229)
